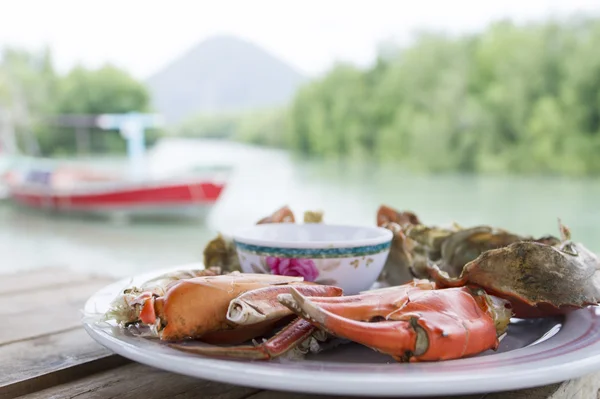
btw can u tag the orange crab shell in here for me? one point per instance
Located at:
(197, 307)
(412, 322)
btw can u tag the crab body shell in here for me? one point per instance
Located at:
(539, 280)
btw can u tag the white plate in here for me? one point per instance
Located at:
(534, 353)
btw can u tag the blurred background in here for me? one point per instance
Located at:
(132, 132)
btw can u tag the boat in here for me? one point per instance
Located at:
(60, 187)
(73, 189)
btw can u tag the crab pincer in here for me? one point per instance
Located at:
(410, 323)
(221, 314)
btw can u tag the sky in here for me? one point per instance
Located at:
(143, 36)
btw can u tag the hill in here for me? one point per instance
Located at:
(222, 74)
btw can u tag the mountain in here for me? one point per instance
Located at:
(222, 73)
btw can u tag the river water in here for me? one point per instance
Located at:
(265, 179)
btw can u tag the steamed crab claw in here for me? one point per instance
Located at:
(200, 308)
(195, 307)
(178, 308)
(256, 313)
(137, 303)
(410, 323)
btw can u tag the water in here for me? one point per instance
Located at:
(265, 179)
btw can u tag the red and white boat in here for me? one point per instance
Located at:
(58, 187)
(76, 190)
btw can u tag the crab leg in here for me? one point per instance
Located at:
(374, 305)
(288, 338)
(197, 306)
(240, 335)
(260, 305)
(430, 325)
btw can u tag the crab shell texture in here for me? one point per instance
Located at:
(538, 279)
(159, 285)
(254, 309)
(416, 246)
(220, 252)
(411, 246)
(412, 322)
(198, 307)
(126, 307)
(313, 217)
(386, 214)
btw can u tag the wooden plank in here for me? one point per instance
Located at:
(46, 311)
(24, 281)
(42, 342)
(32, 365)
(587, 387)
(137, 381)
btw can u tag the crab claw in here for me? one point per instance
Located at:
(261, 305)
(427, 325)
(285, 340)
(146, 301)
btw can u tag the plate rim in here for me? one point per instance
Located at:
(319, 381)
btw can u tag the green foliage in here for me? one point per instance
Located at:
(28, 87)
(34, 92)
(104, 90)
(214, 126)
(262, 127)
(522, 99)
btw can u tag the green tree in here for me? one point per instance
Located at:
(104, 90)
(514, 98)
(90, 92)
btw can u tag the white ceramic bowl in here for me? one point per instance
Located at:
(350, 257)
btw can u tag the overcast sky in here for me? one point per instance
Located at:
(144, 35)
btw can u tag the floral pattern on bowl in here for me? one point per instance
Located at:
(293, 267)
(353, 274)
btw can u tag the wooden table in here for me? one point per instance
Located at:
(45, 352)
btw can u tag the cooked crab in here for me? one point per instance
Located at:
(416, 247)
(125, 308)
(201, 308)
(412, 322)
(539, 279)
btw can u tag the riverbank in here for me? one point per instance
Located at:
(264, 179)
